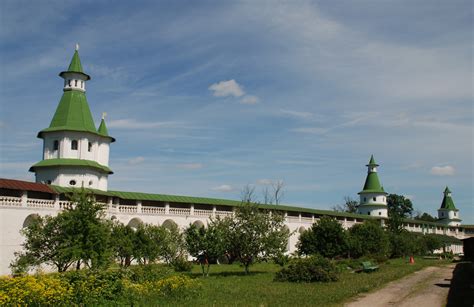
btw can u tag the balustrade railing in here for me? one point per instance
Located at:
(153, 210)
(202, 212)
(40, 203)
(180, 211)
(223, 213)
(10, 201)
(127, 209)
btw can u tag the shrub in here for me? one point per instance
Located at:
(176, 285)
(181, 264)
(93, 287)
(149, 272)
(39, 290)
(281, 259)
(311, 269)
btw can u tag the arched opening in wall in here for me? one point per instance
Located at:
(134, 223)
(301, 230)
(169, 224)
(199, 224)
(30, 219)
(56, 145)
(113, 218)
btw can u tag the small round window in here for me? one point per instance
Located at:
(72, 182)
(90, 182)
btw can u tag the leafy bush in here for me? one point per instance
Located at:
(176, 286)
(93, 287)
(39, 290)
(281, 259)
(150, 272)
(311, 269)
(181, 264)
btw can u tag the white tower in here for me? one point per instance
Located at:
(75, 153)
(448, 214)
(373, 198)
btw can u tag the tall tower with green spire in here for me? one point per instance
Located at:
(448, 214)
(75, 153)
(373, 198)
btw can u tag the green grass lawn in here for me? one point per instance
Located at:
(227, 285)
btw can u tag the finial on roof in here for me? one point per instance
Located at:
(104, 114)
(77, 46)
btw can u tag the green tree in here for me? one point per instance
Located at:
(325, 237)
(425, 217)
(122, 242)
(84, 218)
(252, 235)
(149, 243)
(368, 238)
(47, 241)
(206, 244)
(350, 205)
(173, 246)
(403, 244)
(399, 208)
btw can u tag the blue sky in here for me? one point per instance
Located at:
(206, 98)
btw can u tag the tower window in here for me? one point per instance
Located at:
(69, 83)
(368, 213)
(56, 145)
(365, 199)
(89, 147)
(380, 213)
(374, 198)
(74, 145)
(90, 182)
(75, 82)
(72, 182)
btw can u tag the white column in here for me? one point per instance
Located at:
(191, 209)
(214, 211)
(24, 198)
(167, 208)
(139, 206)
(56, 202)
(299, 217)
(312, 218)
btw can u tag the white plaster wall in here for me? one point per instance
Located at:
(367, 198)
(103, 152)
(374, 211)
(63, 175)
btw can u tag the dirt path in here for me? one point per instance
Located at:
(426, 288)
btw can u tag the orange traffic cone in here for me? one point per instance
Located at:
(412, 260)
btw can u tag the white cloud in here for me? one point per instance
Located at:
(134, 124)
(296, 114)
(264, 181)
(311, 130)
(190, 166)
(249, 99)
(227, 88)
(447, 170)
(223, 188)
(136, 160)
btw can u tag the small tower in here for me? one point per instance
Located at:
(373, 198)
(448, 214)
(75, 153)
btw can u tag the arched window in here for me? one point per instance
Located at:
(374, 198)
(365, 199)
(56, 145)
(90, 182)
(89, 147)
(74, 145)
(380, 213)
(368, 213)
(75, 82)
(72, 182)
(69, 83)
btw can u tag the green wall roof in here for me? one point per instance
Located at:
(71, 162)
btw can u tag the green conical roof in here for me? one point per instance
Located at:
(448, 201)
(75, 65)
(372, 161)
(72, 113)
(372, 184)
(103, 129)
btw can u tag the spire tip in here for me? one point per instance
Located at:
(77, 46)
